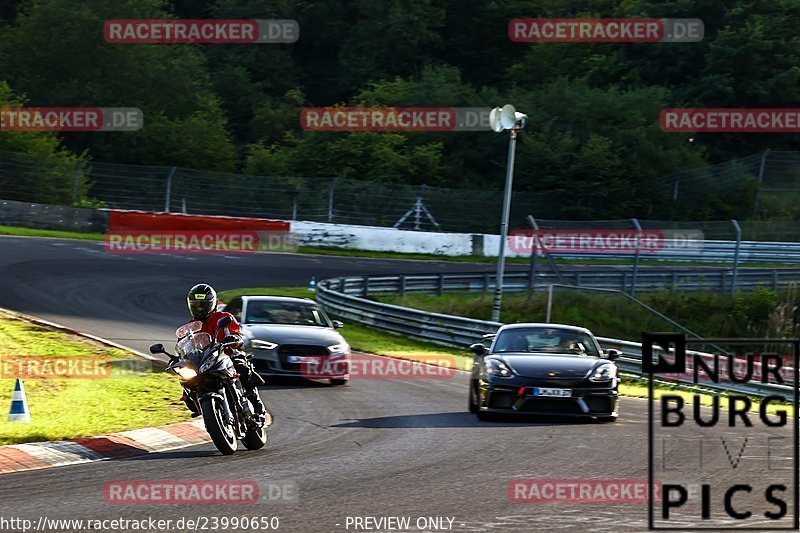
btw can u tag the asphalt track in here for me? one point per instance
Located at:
(373, 448)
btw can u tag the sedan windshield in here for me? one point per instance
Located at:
(284, 313)
(546, 340)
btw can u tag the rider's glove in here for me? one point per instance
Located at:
(231, 339)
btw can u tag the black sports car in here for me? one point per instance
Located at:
(544, 369)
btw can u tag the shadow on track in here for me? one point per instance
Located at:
(290, 382)
(175, 454)
(457, 420)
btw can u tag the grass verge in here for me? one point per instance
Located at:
(132, 395)
(51, 233)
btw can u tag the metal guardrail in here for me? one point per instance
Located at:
(346, 297)
(714, 251)
(647, 279)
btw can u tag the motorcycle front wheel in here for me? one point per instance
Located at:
(255, 438)
(222, 434)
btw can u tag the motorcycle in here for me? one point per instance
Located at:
(210, 380)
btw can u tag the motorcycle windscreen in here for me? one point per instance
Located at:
(192, 327)
(193, 343)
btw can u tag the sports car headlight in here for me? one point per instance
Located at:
(495, 367)
(262, 345)
(186, 373)
(339, 349)
(605, 372)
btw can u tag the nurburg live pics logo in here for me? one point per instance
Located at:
(733, 464)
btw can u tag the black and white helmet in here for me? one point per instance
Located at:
(202, 301)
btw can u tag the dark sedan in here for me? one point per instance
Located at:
(544, 369)
(292, 337)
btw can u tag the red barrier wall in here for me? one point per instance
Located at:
(141, 220)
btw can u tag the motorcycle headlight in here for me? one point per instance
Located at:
(495, 367)
(186, 373)
(605, 372)
(339, 349)
(262, 345)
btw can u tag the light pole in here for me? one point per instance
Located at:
(501, 119)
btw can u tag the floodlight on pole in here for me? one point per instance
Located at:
(502, 119)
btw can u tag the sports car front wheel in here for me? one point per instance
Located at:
(473, 398)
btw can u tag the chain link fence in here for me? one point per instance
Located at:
(766, 185)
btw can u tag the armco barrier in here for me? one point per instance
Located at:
(141, 220)
(345, 297)
(648, 279)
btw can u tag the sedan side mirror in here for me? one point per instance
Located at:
(612, 354)
(157, 348)
(224, 322)
(337, 324)
(479, 349)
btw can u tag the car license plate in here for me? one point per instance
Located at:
(300, 359)
(560, 393)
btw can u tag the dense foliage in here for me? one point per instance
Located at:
(593, 132)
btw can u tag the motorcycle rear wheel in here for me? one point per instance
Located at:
(224, 437)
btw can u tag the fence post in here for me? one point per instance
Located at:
(76, 174)
(168, 198)
(636, 256)
(760, 180)
(440, 288)
(532, 269)
(330, 198)
(402, 285)
(549, 303)
(738, 229)
(366, 287)
(553, 264)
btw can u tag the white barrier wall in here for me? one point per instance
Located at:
(380, 239)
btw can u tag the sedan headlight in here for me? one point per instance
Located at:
(495, 367)
(186, 373)
(339, 349)
(262, 345)
(605, 372)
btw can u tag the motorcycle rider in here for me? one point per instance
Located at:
(202, 301)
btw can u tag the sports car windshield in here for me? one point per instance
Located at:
(284, 313)
(546, 340)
